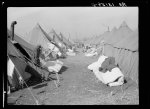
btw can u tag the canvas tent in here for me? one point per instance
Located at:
(65, 41)
(71, 41)
(122, 43)
(39, 37)
(101, 37)
(119, 34)
(57, 39)
(17, 58)
(18, 52)
(114, 36)
(45, 34)
(51, 34)
(27, 46)
(125, 51)
(132, 41)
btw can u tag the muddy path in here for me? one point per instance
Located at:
(78, 86)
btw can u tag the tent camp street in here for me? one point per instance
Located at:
(78, 86)
(75, 56)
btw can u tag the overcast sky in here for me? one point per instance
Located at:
(78, 21)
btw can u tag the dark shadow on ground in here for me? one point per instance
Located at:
(32, 71)
(63, 69)
(35, 78)
(33, 81)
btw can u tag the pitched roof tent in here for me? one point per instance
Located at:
(47, 36)
(20, 40)
(123, 24)
(67, 42)
(115, 35)
(39, 37)
(17, 54)
(57, 39)
(30, 49)
(130, 42)
(11, 49)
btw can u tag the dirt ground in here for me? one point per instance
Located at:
(78, 86)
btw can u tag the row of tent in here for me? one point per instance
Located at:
(38, 36)
(122, 43)
(23, 53)
(116, 37)
(19, 53)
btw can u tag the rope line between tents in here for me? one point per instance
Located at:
(31, 62)
(26, 84)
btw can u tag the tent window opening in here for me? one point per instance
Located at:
(20, 48)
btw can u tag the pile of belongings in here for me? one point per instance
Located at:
(54, 49)
(91, 52)
(106, 71)
(70, 52)
(49, 60)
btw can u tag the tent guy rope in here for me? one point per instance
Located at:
(36, 101)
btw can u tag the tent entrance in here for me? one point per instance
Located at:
(19, 47)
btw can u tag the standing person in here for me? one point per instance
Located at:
(38, 53)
